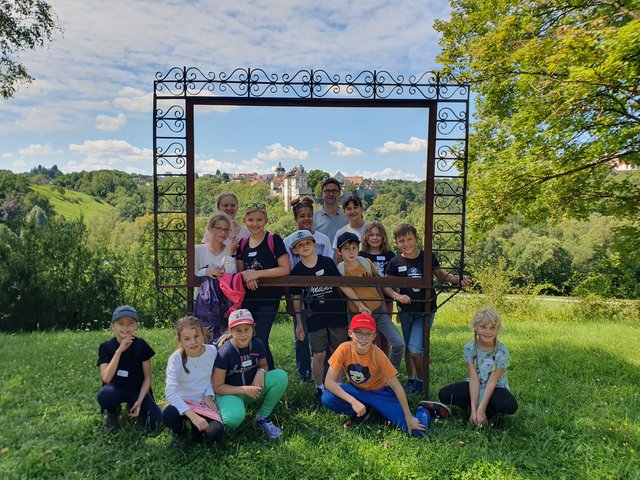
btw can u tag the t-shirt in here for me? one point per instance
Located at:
(129, 375)
(328, 307)
(195, 385)
(329, 224)
(368, 295)
(380, 260)
(241, 364)
(323, 247)
(347, 228)
(261, 258)
(368, 371)
(400, 266)
(487, 362)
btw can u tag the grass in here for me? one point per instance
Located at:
(72, 205)
(575, 376)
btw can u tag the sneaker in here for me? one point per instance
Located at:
(269, 427)
(319, 393)
(413, 385)
(110, 421)
(436, 409)
(355, 420)
(423, 417)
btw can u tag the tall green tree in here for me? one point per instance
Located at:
(24, 25)
(558, 103)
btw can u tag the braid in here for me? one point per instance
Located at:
(183, 355)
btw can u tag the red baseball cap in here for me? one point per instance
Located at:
(363, 320)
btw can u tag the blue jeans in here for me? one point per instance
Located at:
(384, 401)
(264, 314)
(303, 353)
(413, 330)
(389, 330)
(111, 397)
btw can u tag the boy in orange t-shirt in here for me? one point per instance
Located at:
(372, 382)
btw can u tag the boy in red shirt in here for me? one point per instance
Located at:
(372, 382)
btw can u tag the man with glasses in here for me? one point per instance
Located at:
(329, 219)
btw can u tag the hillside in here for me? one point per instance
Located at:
(72, 204)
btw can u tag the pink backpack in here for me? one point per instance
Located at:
(233, 288)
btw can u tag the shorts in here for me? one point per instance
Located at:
(327, 337)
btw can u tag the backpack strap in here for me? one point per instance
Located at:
(270, 243)
(366, 264)
(341, 268)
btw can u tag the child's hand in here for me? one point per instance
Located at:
(215, 271)
(125, 343)
(358, 407)
(414, 424)
(252, 391)
(250, 276)
(200, 423)
(210, 402)
(134, 411)
(252, 285)
(404, 299)
(465, 281)
(258, 381)
(365, 309)
(481, 418)
(300, 332)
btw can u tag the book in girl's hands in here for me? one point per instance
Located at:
(204, 410)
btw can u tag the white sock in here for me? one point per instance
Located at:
(321, 386)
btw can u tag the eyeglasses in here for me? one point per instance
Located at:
(223, 230)
(259, 206)
(367, 335)
(331, 192)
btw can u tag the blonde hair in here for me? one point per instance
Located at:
(482, 316)
(189, 321)
(218, 217)
(384, 246)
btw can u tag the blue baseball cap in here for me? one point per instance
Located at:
(300, 235)
(124, 311)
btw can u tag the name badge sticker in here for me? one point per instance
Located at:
(246, 363)
(402, 268)
(320, 272)
(252, 254)
(380, 257)
(122, 373)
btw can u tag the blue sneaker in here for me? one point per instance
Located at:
(413, 385)
(423, 417)
(269, 428)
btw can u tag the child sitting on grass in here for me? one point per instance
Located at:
(242, 375)
(485, 393)
(372, 382)
(188, 387)
(125, 369)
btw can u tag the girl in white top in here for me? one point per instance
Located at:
(303, 216)
(214, 257)
(188, 386)
(354, 211)
(228, 203)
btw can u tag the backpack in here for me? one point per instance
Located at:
(366, 263)
(211, 307)
(233, 289)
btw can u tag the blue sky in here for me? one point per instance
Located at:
(90, 106)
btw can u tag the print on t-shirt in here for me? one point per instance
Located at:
(358, 374)
(414, 272)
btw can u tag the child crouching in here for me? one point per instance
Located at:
(372, 382)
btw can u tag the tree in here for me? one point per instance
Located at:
(314, 177)
(24, 24)
(558, 103)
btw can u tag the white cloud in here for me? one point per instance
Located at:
(341, 150)
(111, 124)
(415, 145)
(7, 156)
(387, 174)
(100, 154)
(279, 152)
(38, 150)
(134, 100)
(246, 166)
(229, 150)
(19, 164)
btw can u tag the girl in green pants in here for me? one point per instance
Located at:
(241, 376)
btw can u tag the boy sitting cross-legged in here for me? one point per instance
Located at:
(327, 322)
(372, 382)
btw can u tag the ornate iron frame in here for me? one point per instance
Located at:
(179, 90)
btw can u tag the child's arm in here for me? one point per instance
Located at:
(412, 422)
(222, 388)
(451, 278)
(474, 391)
(351, 295)
(263, 367)
(251, 276)
(108, 370)
(144, 389)
(297, 306)
(390, 292)
(481, 412)
(331, 384)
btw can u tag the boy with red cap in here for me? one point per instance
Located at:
(372, 382)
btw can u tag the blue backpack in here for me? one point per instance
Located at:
(211, 307)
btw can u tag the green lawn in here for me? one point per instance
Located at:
(575, 372)
(72, 205)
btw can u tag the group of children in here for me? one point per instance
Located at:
(209, 387)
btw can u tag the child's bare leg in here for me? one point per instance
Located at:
(317, 367)
(416, 359)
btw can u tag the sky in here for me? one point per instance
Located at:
(90, 106)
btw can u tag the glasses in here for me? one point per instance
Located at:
(331, 192)
(223, 230)
(259, 206)
(367, 335)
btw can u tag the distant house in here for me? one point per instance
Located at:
(621, 167)
(294, 185)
